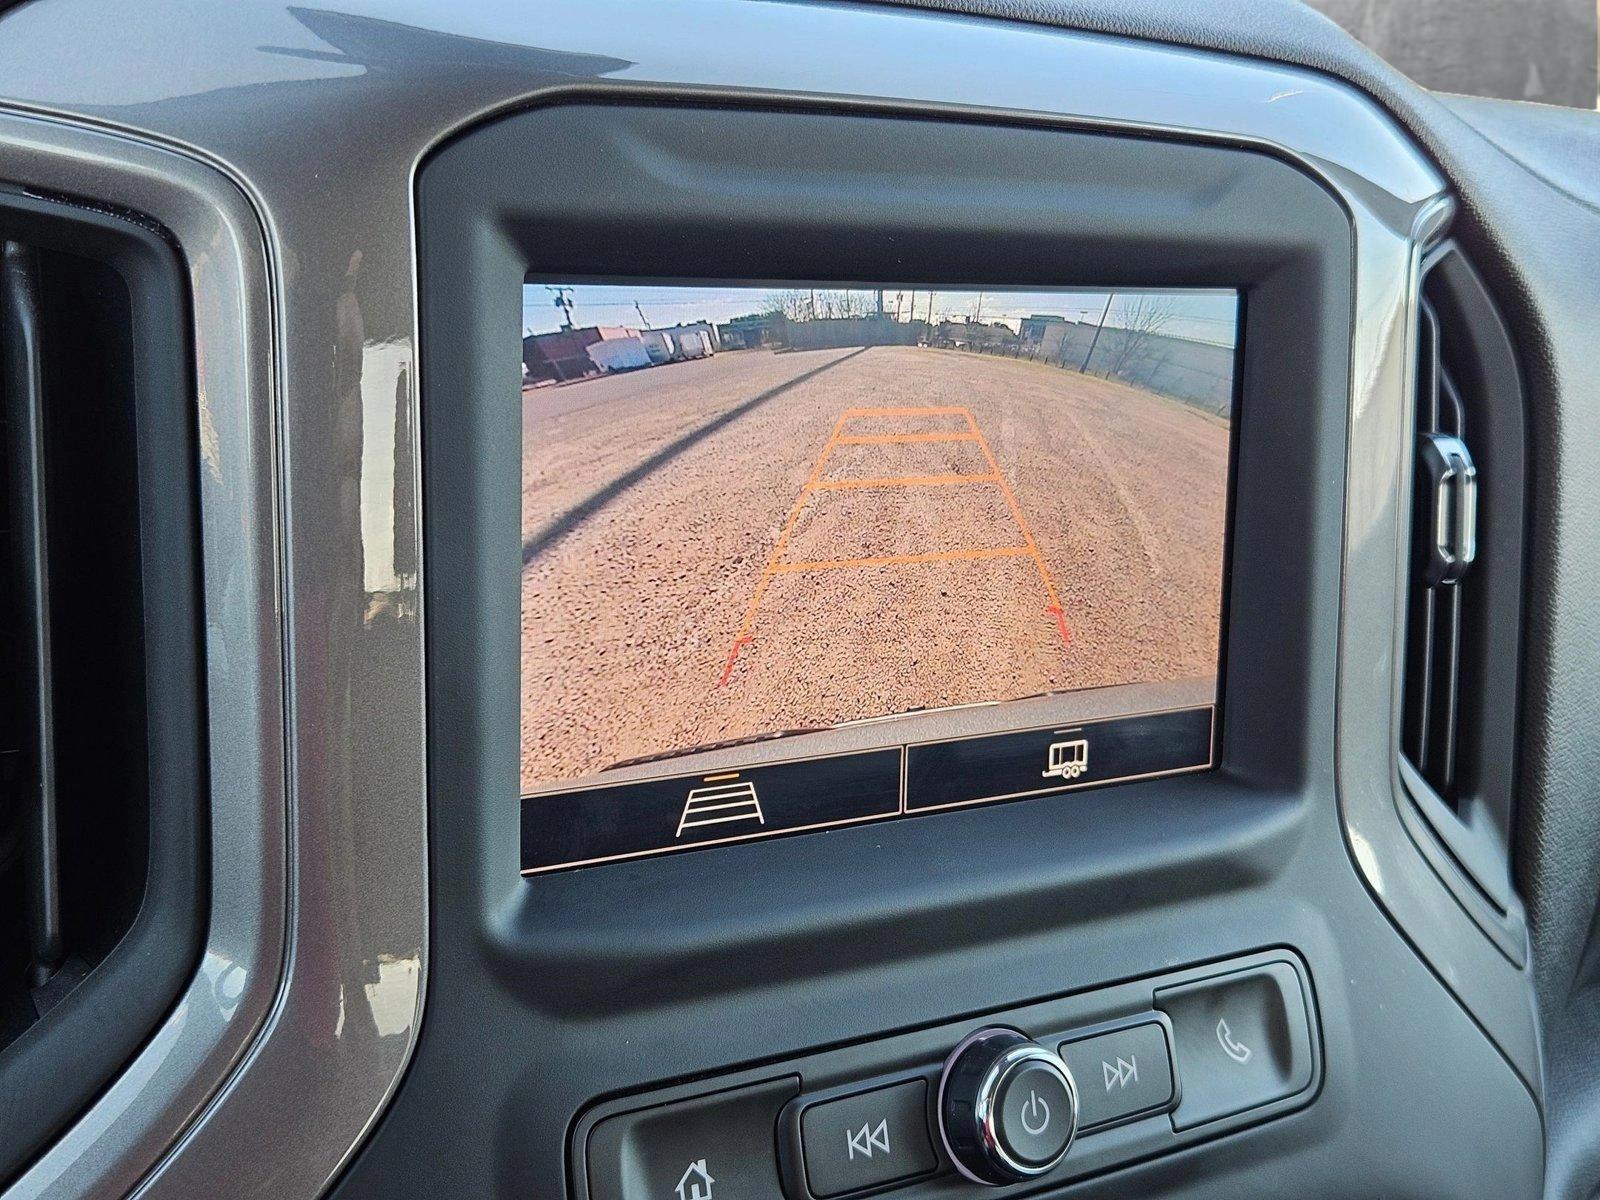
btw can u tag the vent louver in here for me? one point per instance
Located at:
(28, 734)
(100, 754)
(1444, 546)
(1464, 587)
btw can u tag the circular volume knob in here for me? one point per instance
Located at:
(1008, 1107)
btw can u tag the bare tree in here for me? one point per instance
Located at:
(1141, 319)
(836, 303)
(793, 303)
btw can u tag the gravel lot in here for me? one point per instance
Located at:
(653, 501)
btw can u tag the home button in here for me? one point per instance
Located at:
(699, 1149)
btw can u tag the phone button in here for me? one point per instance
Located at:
(1241, 1041)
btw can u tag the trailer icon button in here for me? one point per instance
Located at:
(1067, 759)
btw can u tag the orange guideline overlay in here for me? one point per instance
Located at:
(777, 564)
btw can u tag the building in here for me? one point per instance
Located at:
(1033, 328)
(1065, 343)
(973, 335)
(832, 333)
(563, 355)
(752, 331)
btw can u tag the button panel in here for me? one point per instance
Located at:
(1120, 1073)
(1157, 1064)
(867, 1139)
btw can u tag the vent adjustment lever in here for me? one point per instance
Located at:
(1450, 480)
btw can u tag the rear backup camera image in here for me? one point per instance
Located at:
(749, 511)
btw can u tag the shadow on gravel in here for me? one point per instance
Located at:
(586, 508)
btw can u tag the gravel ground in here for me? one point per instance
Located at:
(652, 503)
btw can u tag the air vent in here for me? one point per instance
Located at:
(1464, 599)
(27, 734)
(1444, 546)
(100, 750)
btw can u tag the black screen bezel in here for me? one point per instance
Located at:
(805, 941)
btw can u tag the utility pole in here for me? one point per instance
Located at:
(880, 302)
(563, 301)
(1096, 338)
(642, 317)
(977, 313)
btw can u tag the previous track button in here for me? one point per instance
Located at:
(866, 1139)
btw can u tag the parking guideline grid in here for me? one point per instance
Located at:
(778, 565)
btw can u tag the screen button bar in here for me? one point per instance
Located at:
(611, 822)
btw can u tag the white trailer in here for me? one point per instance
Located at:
(659, 345)
(619, 354)
(694, 343)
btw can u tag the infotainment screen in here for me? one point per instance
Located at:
(797, 557)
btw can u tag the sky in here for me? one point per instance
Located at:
(1208, 316)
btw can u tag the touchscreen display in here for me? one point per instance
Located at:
(800, 556)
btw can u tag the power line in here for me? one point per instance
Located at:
(563, 301)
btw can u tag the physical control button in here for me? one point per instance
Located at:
(1241, 1040)
(1008, 1107)
(1120, 1073)
(1033, 1105)
(707, 1148)
(866, 1140)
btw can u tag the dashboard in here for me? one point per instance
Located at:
(1048, 656)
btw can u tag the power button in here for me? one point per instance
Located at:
(1034, 1113)
(1008, 1107)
